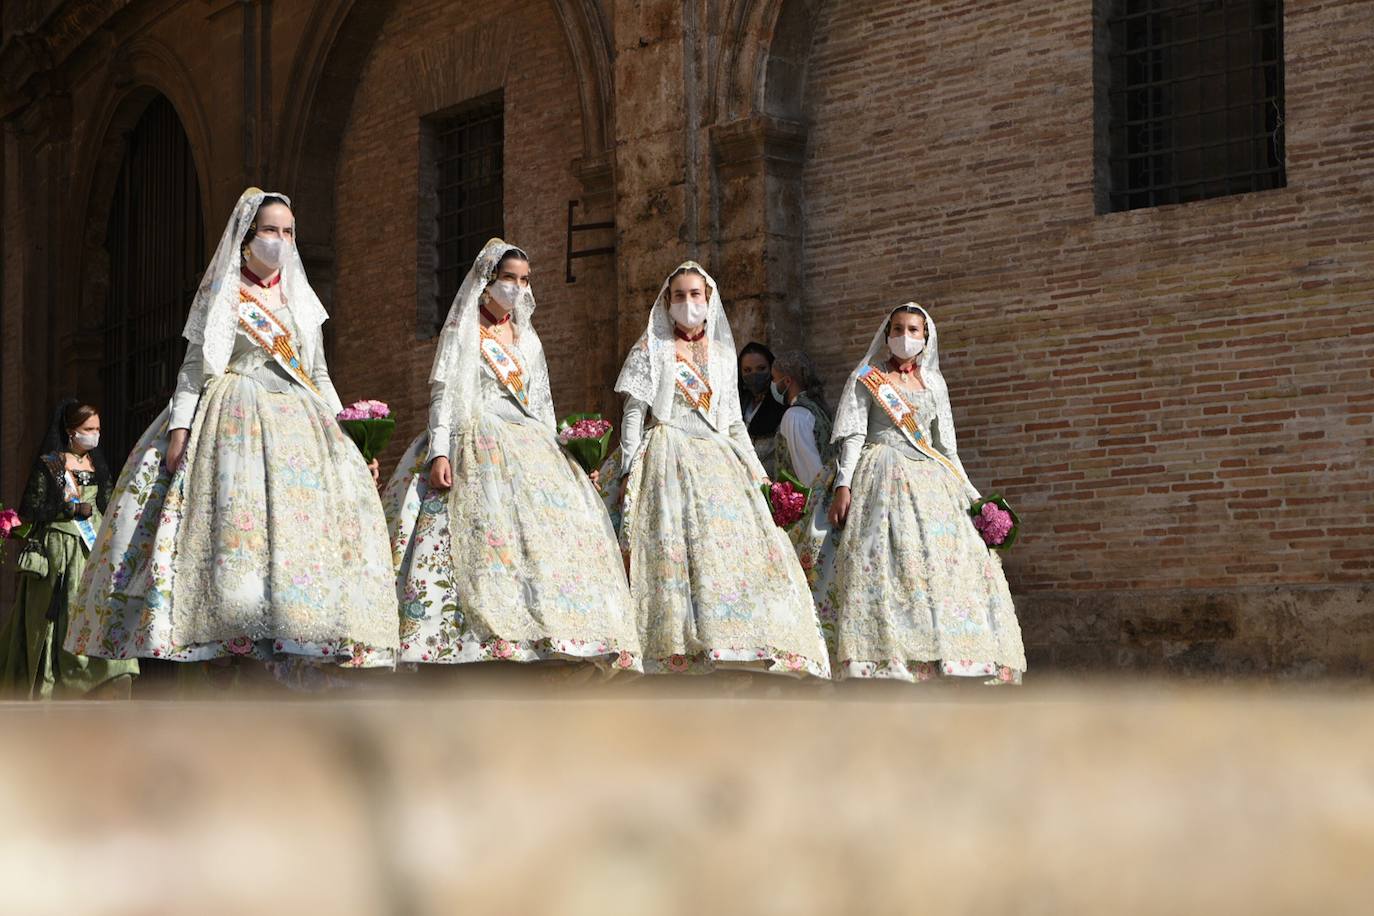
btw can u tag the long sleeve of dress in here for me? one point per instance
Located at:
(440, 434)
(190, 379)
(631, 431)
(740, 433)
(319, 374)
(850, 448)
(849, 458)
(798, 427)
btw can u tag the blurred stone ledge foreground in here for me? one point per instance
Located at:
(1058, 798)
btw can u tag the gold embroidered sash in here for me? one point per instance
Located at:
(268, 332)
(903, 416)
(692, 382)
(505, 367)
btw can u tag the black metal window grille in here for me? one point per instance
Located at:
(468, 147)
(1195, 99)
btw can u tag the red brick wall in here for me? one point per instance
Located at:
(1173, 397)
(377, 353)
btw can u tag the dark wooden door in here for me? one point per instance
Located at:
(156, 241)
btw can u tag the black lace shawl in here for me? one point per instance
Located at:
(44, 498)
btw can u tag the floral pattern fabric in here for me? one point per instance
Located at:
(269, 541)
(906, 589)
(715, 582)
(518, 561)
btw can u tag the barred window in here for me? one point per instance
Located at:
(1195, 100)
(463, 149)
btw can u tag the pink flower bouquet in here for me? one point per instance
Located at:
(587, 438)
(10, 523)
(997, 523)
(787, 500)
(369, 425)
(12, 528)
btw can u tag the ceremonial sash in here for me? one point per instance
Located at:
(72, 495)
(903, 416)
(694, 386)
(505, 367)
(268, 332)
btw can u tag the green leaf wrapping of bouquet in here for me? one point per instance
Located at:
(997, 500)
(588, 453)
(786, 477)
(371, 436)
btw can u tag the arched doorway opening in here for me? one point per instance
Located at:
(156, 244)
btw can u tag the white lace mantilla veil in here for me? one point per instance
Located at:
(648, 374)
(214, 317)
(851, 416)
(458, 359)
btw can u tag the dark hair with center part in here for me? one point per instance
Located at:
(510, 254)
(754, 347)
(910, 310)
(686, 269)
(76, 414)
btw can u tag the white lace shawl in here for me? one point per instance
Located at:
(649, 373)
(458, 359)
(214, 318)
(851, 417)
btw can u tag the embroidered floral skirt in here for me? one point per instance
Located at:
(907, 589)
(715, 582)
(517, 562)
(269, 541)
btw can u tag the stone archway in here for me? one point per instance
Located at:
(758, 140)
(345, 38)
(341, 36)
(761, 67)
(144, 254)
(140, 73)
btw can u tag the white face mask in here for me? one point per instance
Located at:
(271, 252)
(779, 394)
(904, 346)
(505, 293)
(688, 314)
(86, 441)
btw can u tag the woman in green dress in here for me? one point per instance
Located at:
(68, 489)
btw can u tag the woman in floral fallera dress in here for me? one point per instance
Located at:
(245, 522)
(502, 548)
(715, 582)
(904, 585)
